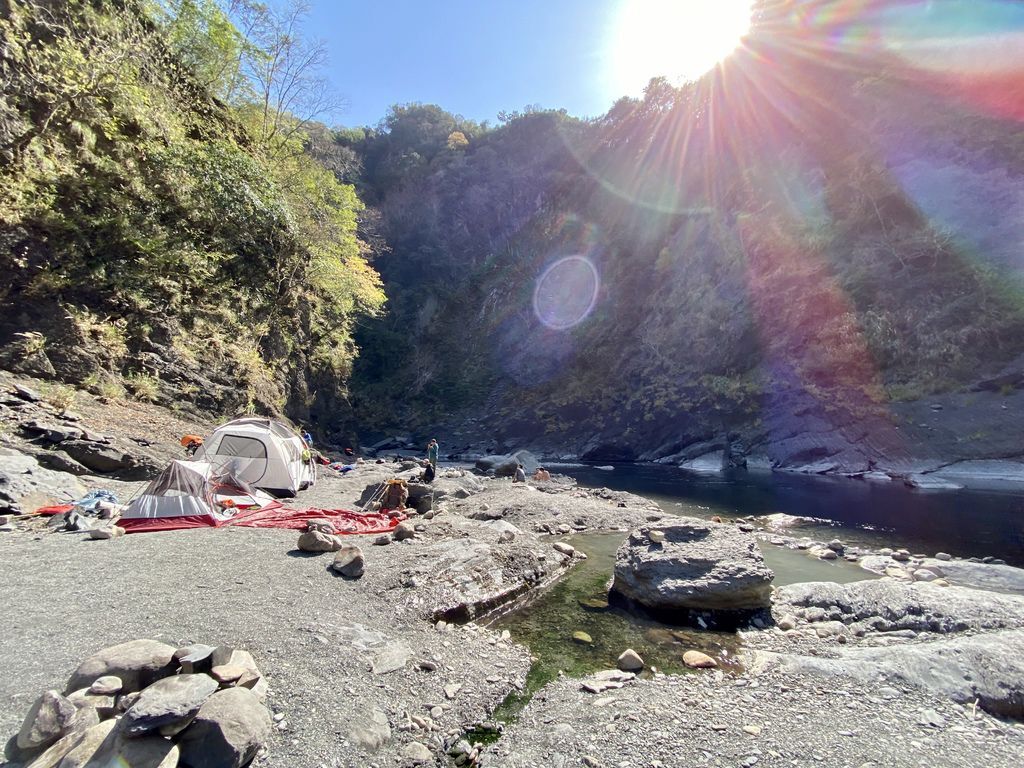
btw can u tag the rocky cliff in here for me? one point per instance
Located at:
(809, 263)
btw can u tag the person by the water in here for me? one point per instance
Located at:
(520, 476)
(541, 475)
(432, 453)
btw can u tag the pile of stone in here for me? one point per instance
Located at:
(146, 704)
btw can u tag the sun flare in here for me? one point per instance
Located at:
(677, 39)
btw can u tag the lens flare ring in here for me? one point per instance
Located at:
(566, 292)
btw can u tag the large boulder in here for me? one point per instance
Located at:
(230, 728)
(696, 566)
(138, 663)
(502, 466)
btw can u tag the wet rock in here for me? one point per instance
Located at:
(48, 719)
(228, 731)
(698, 660)
(630, 661)
(943, 556)
(580, 636)
(900, 555)
(565, 549)
(169, 704)
(138, 663)
(701, 565)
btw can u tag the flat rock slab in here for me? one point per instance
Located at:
(47, 720)
(391, 659)
(987, 667)
(170, 703)
(137, 662)
(699, 565)
(894, 605)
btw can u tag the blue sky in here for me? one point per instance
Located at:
(472, 57)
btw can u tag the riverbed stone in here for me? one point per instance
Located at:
(138, 663)
(630, 661)
(698, 660)
(91, 742)
(84, 719)
(349, 562)
(582, 637)
(46, 721)
(701, 565)
(318, 541)
(169, 704)
(227, 732)
(371, 731)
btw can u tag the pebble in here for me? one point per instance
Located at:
(753, 730)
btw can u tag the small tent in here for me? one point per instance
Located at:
(264, 453)
(188, 494)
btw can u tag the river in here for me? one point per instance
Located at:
(963, 523)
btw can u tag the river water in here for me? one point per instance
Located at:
(963, 523)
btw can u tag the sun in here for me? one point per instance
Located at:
(677, 39)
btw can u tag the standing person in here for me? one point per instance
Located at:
(432, 453)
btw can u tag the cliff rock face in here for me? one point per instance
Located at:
(778, 263)
(146, 246)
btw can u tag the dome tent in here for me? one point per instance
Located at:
(265, 453)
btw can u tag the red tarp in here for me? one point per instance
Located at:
(153, 524)
(279, 516)
(273, 515)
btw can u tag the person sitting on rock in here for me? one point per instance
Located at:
(428, 474)
(542, 475)
(520, 476)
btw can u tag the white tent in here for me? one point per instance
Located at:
(262, 452)
(182, 490)
(190, 494)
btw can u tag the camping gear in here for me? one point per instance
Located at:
(190, 494)
(263, 452)
(396, 493)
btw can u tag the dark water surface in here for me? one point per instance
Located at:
(966, 523)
